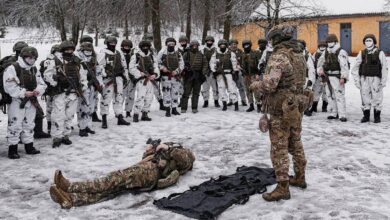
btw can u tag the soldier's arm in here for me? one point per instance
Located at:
(312, 71)
(320, 64)
(124, 65)
(159, 59)
(156, 69)
(11, 83)
(41, 85)
(83, 77)
(133, 67)
(99, 75)
(181, 64)
(101, 59)
(213, 62)
(50, 72)
(170, 180)
(343, 60)
(233, 59)
(205, 65)
(355, 70)
(385, 68)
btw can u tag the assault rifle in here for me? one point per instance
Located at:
(325, 79)
(35, 103)
(94, 81)
(77, 89)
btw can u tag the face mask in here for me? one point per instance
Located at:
(331, 44)
(209, 44)
(322, 49)
(145, 50)
(171, 48)
(369, 43)
(183, 45)
(223, 49)
(126, 50)
(67, 56)
(111, 47)
(87, 53)
(30, 61)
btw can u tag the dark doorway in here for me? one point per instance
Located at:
(322, 30)
(346, 37)
(384, 36)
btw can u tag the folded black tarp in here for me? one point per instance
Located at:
(212, 197)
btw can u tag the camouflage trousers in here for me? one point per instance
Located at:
(286, 138)
(140, 176)
(250, 94)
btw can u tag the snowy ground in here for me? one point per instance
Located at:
(348, 169)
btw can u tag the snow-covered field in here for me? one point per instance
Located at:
(348, 168)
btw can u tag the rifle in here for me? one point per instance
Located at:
(35, 103)
(95, 81)
(113, 78)
(77, 89)
(325, 79)
(147, 74)
(157, 155)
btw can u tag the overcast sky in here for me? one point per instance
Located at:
(352, 6)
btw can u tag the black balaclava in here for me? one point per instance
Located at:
(223, 49)
(67, 56)
(111, 47)
(171, 49)
(184, 45)
(194, 49)
(145, 50)
(209, 44)
(125, 50)
(247, 48)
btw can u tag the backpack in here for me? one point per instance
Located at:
(5, 97)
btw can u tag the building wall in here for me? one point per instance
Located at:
(307, 30)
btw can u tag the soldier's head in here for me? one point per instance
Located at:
(86, 38)
(247, 45)
(280, 33)
(18, 46)
(111, 42)
(67, 48)
(233, 43)
(209, 41)
(183, 41)
(222, 44)
(86, 48)
(170, 42)
(322, 46)
(145, 46)
(55, 48)
(194, 45)
(183, 157)
(29, 55)
(331, 40)
(369, 41)
(262, 43)
(126, 46)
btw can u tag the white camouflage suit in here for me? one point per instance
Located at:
(20, 121)
(232, 88)
(64, 106)
(371, 87)
(85, 110)
(144, 93)
(129, 90)
(318, 86)
(336, 94)
(210, 80)
(311, 70)
(49, 101)
(170, 85)
(108, 90)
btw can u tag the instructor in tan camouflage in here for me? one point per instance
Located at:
(284, 99)
(161, 166)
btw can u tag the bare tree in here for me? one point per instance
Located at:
(189, 26)
(156, 23)
(206, 21)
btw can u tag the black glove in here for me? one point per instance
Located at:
(309, 83)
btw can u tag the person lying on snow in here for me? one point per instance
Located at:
(160, 167)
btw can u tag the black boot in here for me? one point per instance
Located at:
(83, 133)
(331, 117)
(122, 121)
(38, 129)
(162, 108)
(224, 108)
(324, 106)
(308, 113)
(236, 106)
(104, 122)
(167, 112)
(145, 117)
(175, 112)
(90, 130)
(57, 142)
(13, 152)
(258, 108)
(128, 115)
(95, 117)
(244, 103)
(205, 104)
(366, 116)
(30, 149)
(251, 108)
(48, 127)
(377, 116)
(65, 140)
(314, 107)
(230, 103)
(216, 104)
(135, 118)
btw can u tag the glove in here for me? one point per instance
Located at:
(264, 123)
(215, 75)
(309, 83)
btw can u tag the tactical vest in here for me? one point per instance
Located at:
(332, 61)
(113, 65)
(371, 64)
(250, 63)
(145, 64)
(72, 71)
(224, 62)
(317, 56)
(26, 77)
(171, 60)
(196, 61)
(90, 66)
(209, 53)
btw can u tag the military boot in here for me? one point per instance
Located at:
(122, 121)
(83, 133)
(324, 106)
(38, 129)
(331, 117)
(224, 108)
(298, 180)
(314, 107)
(366, 116)
(251, 108)
(281, 191)
(90, 130)
(175, 112)
(167, 112)
(308, 113)
(65, 140)
(183, 111)
(162, 108)
(128, 114)
(205, 104)
(236, 106)
(95, 117)
(135, 118)
(377, 116)
(104, 122)
(61, 197)
(216, 104)
(60, 181)
(30, 149)
(258, 108)
(195, 111)
(230, 103)
(57, 142)
(49, 127)
(244, 103)
(145, 117)
(343, 119)
(13, 152)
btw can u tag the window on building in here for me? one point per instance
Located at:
(384, 36)
(323, 31)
